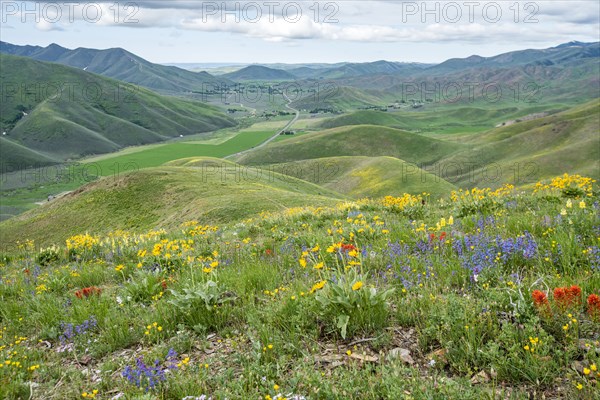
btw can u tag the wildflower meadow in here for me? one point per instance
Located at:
(484, 294)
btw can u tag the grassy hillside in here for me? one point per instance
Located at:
(16, 155)
(360, 177)
(360, 140)
(20, 190)
(520, 153)
(93, 115)
(122, 65)
(533, 150)
(336, 98)
(209, 190)
(494, 298)
(446, 119)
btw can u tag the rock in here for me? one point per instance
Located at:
(364, 357)
(481, 377)
(85, 360)
(403, 354)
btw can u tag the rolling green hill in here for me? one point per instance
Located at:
(534, 150)
(48, 120)
(122, 65)
(360, 177)
(359, 140)
(365, 117)
(521, 153)
(15, 155)
(165, 197)
(336, 99)
(446, 120)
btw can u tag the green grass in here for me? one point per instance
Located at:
(46, 125)
(360, 177)
(529, 151)
(441, 120)
(320, 302)
(159, 155)
(207, 189)
(22, 189)
(360, 140)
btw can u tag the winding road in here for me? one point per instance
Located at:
(269, 140)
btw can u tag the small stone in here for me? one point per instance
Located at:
(403, 354)
(481, 377)
(364, 357)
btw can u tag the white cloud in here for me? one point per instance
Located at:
(359, 21)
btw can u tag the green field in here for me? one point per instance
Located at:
(22, 189)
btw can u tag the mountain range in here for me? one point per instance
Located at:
(52, 113)
(120, 64)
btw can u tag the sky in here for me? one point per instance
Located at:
(279, 31)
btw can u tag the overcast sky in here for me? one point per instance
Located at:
(271, 31)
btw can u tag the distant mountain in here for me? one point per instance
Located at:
(307, 72)
(45, 121)
(259, 73)
(569, 72)
(555, 55)
(349, 70)
(120, 64)
(571, 81)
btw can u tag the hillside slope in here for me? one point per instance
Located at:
(336, 98)
(360, 177)
(165, 197)
(534, 150)
(359, 140)
(91, 114)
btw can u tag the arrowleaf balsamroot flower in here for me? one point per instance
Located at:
(357, 285)
(317, 286)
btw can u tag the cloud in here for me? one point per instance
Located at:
(388, 21)
(47, 26)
